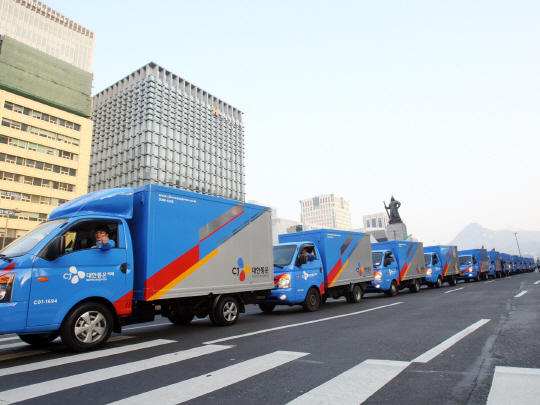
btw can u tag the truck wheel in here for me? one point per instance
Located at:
(393, 291)
(180, 318)
(498, 274)
(453, 281)
(355, 295)
(267, 307)
(484, 276)
(39, 339)
(415, 286)
(439, 282)
(227, 311)
(86, 327)
(312, 301)
(477, 278)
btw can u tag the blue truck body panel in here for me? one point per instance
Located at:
(495, 266)
(447, 262)
(474, 268)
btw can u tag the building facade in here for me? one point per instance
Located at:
(44, 161)
(153, 126)
(35, 24)
(326, 211)
(378, 220)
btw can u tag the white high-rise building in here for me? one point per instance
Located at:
(327, 211)
(378, 221)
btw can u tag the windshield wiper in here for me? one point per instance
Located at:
(8, 259)
(277, 265)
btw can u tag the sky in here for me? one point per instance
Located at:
(433, 102)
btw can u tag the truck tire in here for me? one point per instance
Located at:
(415, 286)
(484, 276)
(267, 307)
(355, 295)
(227, 311)
(477, 278)
(87, 326)
(439, 282)
(394, 290)
(453, 281)
(39, 339)
(498, 274)
(312, 301)
(180, 318)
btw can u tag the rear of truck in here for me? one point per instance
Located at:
(397, 265)
(312, 266)
(198, 255)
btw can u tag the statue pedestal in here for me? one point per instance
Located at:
(396, 231)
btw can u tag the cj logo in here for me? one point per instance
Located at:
(241, 270)
(306, 275)
(74, 275)
(360, 269)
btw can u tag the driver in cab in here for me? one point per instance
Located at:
(102, 238)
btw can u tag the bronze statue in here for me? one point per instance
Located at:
(393, 215)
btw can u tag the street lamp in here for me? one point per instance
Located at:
(8, 213)
(515, 234)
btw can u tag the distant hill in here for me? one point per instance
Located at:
(474, 236)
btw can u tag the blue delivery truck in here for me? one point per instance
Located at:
(505, 264)
(397, 265)
(169, 252)
(495, 268)
(442, 265)
(513, 264)
(474, 264)
(311, 266)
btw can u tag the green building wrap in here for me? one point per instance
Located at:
(34, 74)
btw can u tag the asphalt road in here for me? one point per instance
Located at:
(437, 346)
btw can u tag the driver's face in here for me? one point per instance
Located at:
(100, 235)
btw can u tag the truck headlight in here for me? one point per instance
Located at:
(6, 287)
(428, 271)
(377, 276)
(470, 269)
(284, 281)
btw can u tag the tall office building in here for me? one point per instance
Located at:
(154, 126)
(35, 24)
(328, 211)
(45, 105)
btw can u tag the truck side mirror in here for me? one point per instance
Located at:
(300, 260)
(54, 249)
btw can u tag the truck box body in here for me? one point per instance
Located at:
(474, 264)
(341, 260)
(495, 268)
(448, 265)
(189, 244)
(408, 264)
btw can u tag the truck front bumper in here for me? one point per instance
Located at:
(378, 286)
(282, 296)
(13, 317)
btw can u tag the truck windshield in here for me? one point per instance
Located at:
(283, 254)
(27, 242)
(427, 259)
(377, 258)
(465, 260)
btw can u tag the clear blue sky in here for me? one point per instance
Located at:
(435, 102)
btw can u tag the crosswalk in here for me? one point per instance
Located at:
(344, 388)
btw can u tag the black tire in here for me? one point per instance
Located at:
(439, 282)
(180, 318)
(267, 307)
(355, 295)
(484, 276)
(453, 281)
(227, 311)
(415, 286)
(394, 290)
(312, 301)
(86, 327)
(39, 339)
(477, 278)
(498, 274)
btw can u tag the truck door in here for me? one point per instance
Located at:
(69, 270)
(310, 273)
(475, 264)
(437, 267)
(390, 266)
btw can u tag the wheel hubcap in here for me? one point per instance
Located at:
(230, 312)
(90, 327)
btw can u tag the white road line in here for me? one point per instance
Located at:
(513, 384)
(536, 282)
(298, 324)
(25, 353)
(521, 294)
(491, 281)
(457, 289)
(430, 354)
(82, 357)
(48, 387)
(210, 382)
(355, 385)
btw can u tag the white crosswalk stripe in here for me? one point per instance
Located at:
(204, 384)
(515, 385)
(81, 357)
(52, 386)
(345, 389)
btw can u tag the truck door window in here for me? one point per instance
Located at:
(308, 250)
(435, 259)
(474, 260)
(388, 258)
